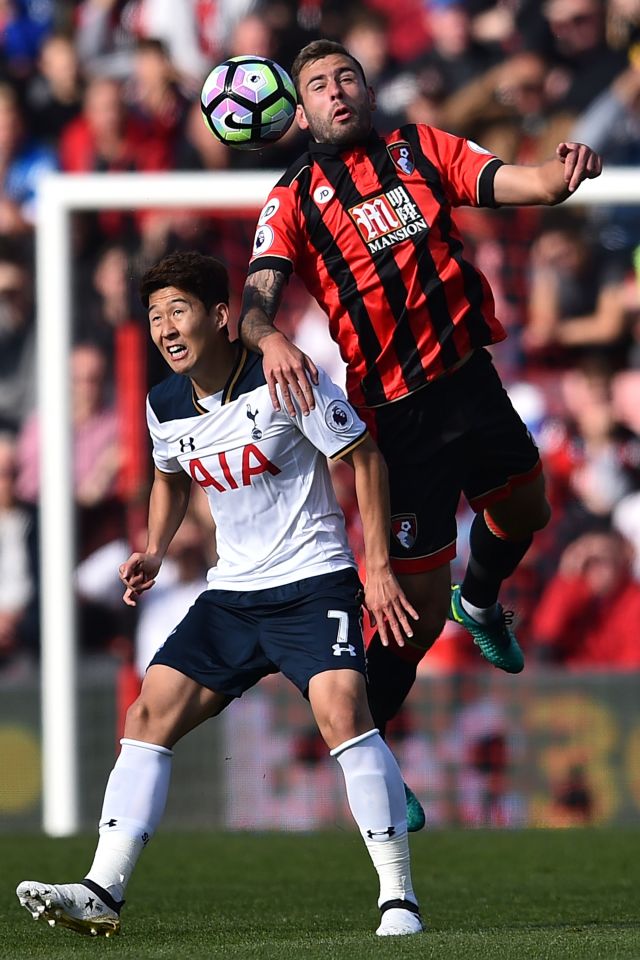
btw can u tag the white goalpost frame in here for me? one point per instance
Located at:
(60, 195)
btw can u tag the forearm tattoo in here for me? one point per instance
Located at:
(260, 301)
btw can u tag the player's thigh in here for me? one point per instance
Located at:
(315, 625)
(215, 647)
(429, 592)
(339, 702)
(424, 483)
(170, 705)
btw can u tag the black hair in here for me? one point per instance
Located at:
(202, 276)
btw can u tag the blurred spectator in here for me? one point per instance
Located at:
(589, 613)
(591, 460)
(54, 94)
(105, 36)
(454, 57)
(18, 606)
(576, 300)
(23, 26)
(22, 163)
(96, 451)
(108, 136)
(407, 27)
(252, 34)
(106, 305)
(155, 99)
(108, 31)
(183, 578)
(623, 23)
(506, 109)
(289, 21)
(199, 149)
(611, 124)
(17, 337)
(626, 520)
(367, 38)
(582, 62)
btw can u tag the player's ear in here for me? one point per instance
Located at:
(301, 117)
(221, 315)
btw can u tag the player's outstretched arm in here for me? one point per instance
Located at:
(388, 607)
(547, 183)
(284, 364)
(168, 503)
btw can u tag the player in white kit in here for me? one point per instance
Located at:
(283, 596)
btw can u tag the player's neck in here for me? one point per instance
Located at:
(212, 375)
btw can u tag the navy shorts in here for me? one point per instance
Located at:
(229, 640)
(457, 435)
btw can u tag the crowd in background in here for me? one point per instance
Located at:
(113, 85)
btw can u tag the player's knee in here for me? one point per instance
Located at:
(520, 523)
(339, 724)
(139, 720)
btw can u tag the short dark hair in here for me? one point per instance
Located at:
(204, 277)
(316, 50)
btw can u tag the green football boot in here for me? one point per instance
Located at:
(496, 639)
(415, 813)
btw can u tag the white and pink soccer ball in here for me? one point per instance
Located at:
(248, 102)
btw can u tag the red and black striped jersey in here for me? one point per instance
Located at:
(369, 229)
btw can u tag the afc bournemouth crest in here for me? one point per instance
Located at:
(402, 155)
(405, 529)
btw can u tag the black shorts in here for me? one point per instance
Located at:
(229, 640)
(459, 434)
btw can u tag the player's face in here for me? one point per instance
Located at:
(336, 104)
(185, 332)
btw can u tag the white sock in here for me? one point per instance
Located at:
(481, 614)
(375, 791)
(133, 806)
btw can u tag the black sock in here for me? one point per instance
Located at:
(492, 560)
(390, 680)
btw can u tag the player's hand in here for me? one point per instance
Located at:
(138, 574)
(580, 163)
(289, 368)
(388, 607)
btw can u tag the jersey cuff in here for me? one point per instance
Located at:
(281, 264)
(350, 447)
(486, 196)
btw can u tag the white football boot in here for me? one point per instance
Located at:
(84, 907)
(400, 918)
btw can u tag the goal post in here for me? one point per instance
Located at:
(61, 195)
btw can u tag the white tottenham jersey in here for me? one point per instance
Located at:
(265, 473)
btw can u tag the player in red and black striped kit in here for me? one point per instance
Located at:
(366, 221)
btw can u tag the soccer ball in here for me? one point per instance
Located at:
(248, 102)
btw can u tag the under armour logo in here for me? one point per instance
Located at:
(89, 904)
(339, 648)
(256, 433)
(187, 444)
(112, 822)
(389, 832)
